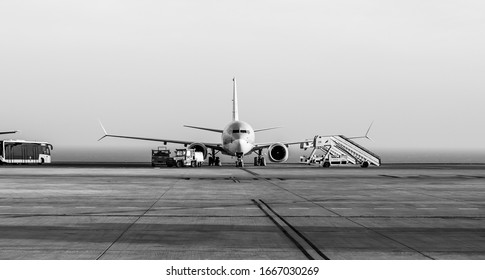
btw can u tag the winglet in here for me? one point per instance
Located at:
(104, 130)
(366, 133)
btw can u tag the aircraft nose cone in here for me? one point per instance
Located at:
(238, 145)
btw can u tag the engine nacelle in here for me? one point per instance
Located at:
(278, 152)
(199, 147)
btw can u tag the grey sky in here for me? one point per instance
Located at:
(145, 68)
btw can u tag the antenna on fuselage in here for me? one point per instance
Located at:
(235, 114)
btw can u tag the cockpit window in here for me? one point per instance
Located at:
(240, 131)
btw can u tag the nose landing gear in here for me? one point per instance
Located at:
(239, 161)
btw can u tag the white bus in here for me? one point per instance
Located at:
(22, 152)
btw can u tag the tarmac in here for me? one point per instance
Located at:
(282, 211)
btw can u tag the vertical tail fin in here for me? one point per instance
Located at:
(235, 114)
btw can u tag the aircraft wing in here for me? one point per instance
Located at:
(9, 132)
(216, 146)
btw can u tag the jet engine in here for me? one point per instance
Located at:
(278, 152)
(199, 147)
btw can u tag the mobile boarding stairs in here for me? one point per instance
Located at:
(338, 149)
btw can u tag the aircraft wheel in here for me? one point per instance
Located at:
(256, 161)
(365, 164)
(262, 161)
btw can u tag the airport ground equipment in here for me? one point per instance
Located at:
(338, 149)
(160, 156)
(24, 152)
(186, 157)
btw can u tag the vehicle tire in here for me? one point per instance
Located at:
(326, 164)
(199, 164)
(193, 164)
(41, 161)
(365, 164)
(180, 163)
(211, 161)
(217, 161)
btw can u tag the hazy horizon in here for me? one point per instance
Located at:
(146, 68)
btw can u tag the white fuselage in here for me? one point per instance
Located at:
(238, 138)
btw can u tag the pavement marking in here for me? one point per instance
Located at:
(127, 207)
(383, 208)
(214, 208)
(42, 207)
(165, 208)
(340, 208)
(5, 206)
(425, 208)
(467, 208)
(85, 207)
(252, 208)
(299, 208)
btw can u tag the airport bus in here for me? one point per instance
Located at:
(23, 152)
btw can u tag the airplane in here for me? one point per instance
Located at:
(9, 132)
(237, 140)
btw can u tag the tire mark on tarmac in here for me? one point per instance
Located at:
(302, 236)
(290, 233)
(137, 219)
(338, 214)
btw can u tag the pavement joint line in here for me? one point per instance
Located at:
(136, 220)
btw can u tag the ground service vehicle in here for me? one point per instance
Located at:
(160, 156)
(186, 157)
(23, 152)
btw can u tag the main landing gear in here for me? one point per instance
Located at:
(216, 161)
(213, 160)
(259, 160)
